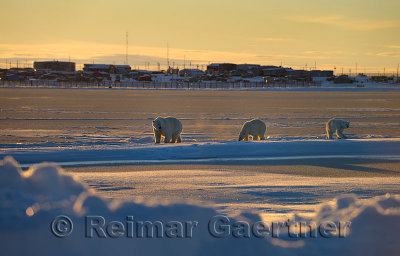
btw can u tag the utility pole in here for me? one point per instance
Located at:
(184, 61)
(356, 69)
(167, 56)
(126, 50)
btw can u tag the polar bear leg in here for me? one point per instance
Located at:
(174, 138)
(157, 137)
(246, 138)
(167, 139)
(329, 134)
(340, 135)
(261, 136)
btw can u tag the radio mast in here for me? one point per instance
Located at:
(126, 50)
(167, 56)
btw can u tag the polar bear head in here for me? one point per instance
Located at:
(346, 124)
(157, 123)
(243, 134)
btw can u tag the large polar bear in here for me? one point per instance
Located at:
(169, 127)
(256, 128)
(336, 125)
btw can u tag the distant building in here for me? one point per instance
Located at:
(122, 69)
(380, 79)
(171, 70)
(108, 68)
(299, 74)
(55, 65)
(273, 71)
(252, 68)
(321, 73)
(97, 67)
(221, 68)
(247, 67)
(343, 79)
(191, 72)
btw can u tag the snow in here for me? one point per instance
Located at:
(211, 152)
(31, 199)
(103, 140)
(273, 192)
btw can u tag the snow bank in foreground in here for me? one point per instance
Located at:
(30, 200)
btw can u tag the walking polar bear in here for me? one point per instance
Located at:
(255, 128)
(336, 125)
(169, 127)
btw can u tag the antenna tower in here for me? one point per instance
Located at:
(126, 50)
(167, 56)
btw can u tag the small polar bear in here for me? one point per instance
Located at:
(255, 128)
(336, 125)
(169, 127)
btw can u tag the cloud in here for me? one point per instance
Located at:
(323, 20)
(87, 52)
(388, 54)
(323, 52)
(278, 57)
(347, 23)
(393, 46)
(275, 39)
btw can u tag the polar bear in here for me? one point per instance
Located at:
(336, 125)
(256, 128)
(169, 127)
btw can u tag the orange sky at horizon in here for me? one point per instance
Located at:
(293, 33)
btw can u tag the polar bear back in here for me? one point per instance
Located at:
(254, 128)
(168, 125)
(254, 125)
(337, 125)
(173, 124)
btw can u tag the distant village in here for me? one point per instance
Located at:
(108, 74)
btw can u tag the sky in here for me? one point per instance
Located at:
(341, 34)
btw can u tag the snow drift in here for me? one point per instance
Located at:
(30, 200)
